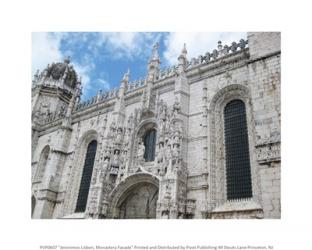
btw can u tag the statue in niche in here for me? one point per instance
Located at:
(130, 121)
(116, 158)
(103, 169)
(119, 135)
(164, 113)
(122, 157)
(167, 125)
(161, 153)
(127, 138)
(175, 155)
(168, 153)
(138, 114)
(175, 152)
(141, 149)
(161, 126)
(176, 135)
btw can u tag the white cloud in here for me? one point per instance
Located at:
(83, 72)
(45, 49)
(104, 85)
(196, 43)
(128, 44)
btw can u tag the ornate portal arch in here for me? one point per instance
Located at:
(144, 182)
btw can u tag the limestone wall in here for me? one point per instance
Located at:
(263, 43)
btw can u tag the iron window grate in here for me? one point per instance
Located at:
(238, 175)
(86, 177)
(150, 143)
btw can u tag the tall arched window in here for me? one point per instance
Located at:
(238, 174)
(86, 177)
(150, 143)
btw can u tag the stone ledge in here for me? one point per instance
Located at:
(74, 216)
(236, 206)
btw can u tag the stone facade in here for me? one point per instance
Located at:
(184, 104)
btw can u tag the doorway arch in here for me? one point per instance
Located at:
(135, 197)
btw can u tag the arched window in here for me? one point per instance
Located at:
(86, 177)
(238, 174)
(42, 163)
(150, 143)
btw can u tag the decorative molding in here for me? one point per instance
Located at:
(268, 152)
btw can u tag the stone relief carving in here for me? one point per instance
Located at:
(268, 152)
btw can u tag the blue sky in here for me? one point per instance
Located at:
(103, 58)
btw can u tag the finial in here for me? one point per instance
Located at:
(184, 51)
(126, 76)
(155, 51)
(67, 60)
(182, 58)
(220, 45)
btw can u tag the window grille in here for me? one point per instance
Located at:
(150, 143)
(238, 175)
(86, 177)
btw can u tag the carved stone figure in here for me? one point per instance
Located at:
(116, 156)
(141, 149)
(161, 153)
(119, 136)
(168, 152)
(103, 170)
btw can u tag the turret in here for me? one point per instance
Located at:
(53, 89)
